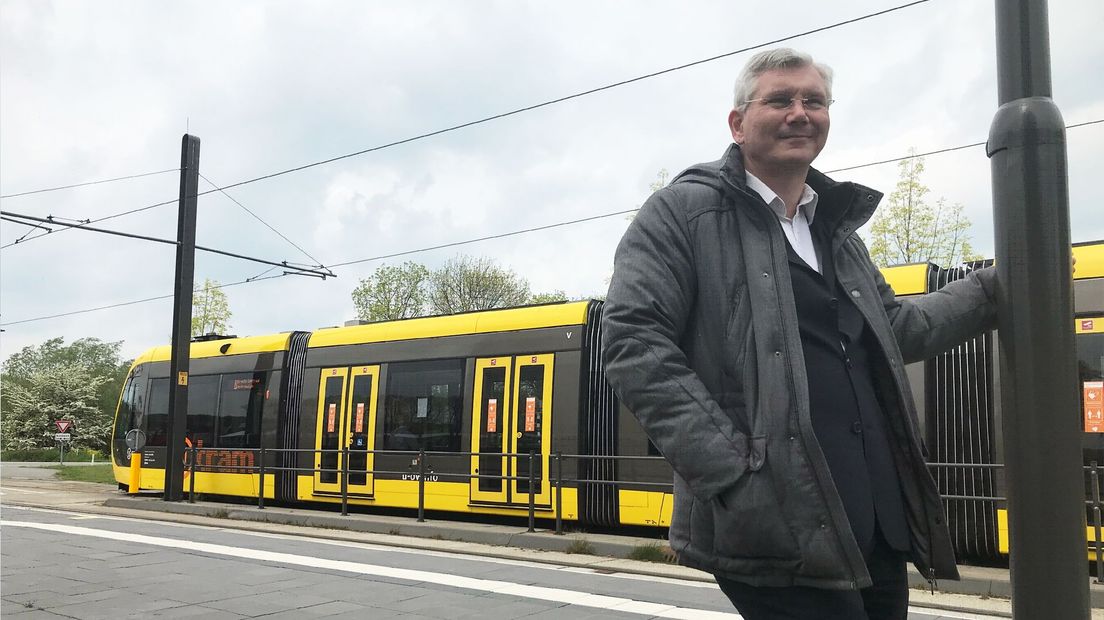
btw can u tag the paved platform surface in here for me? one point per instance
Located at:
(982, 590)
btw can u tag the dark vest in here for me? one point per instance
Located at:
(848, 420)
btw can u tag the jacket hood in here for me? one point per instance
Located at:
(846, 202)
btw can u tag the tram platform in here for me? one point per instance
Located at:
(981, 590)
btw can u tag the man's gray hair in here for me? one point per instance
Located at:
(769, 60)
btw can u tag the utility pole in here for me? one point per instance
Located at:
(182, 319)
(1042, 433)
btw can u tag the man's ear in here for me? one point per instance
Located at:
(736, 126)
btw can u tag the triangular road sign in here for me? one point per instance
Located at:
(63, 425)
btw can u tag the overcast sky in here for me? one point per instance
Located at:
(96, 90)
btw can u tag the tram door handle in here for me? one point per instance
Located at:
(518, 435)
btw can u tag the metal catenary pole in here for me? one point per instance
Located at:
(1042, 435)
(182, 319)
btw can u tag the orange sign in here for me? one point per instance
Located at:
(530, 414)
(182, 378)
(331, 418)
(1094, 406)
(359, 425)
(492, 415)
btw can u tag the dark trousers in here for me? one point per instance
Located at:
(886, 599)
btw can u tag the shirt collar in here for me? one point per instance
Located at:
(807, 203)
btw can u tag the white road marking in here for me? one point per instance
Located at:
(628, 607)
(558, 595)
(457, 555)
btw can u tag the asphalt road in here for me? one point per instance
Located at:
(57, 563)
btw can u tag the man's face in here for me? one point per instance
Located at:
(776, 140)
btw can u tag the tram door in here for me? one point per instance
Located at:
(511, 415)
(346, 419)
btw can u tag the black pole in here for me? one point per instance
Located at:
(532, 455)
(559, 492)
(182, 319)
(1042, 434)
(261, 481)
(192, 474)
(345, 481)
(421, 486)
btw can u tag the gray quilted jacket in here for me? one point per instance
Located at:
(701, 343)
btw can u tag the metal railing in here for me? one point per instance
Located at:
(420, 459)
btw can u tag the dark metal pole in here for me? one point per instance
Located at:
(345, 481)
(532, 457)
(182, 319)
(559, 493)
(192, 474)
(421, 486)
(261, 481)
(1042, 435)
(1094, 478)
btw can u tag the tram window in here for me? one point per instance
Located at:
(157, 418)
(130, 409)
(1090, 356)
(422, 407)
(240, 403)
(203, 393)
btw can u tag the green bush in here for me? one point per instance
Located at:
(580, 545)
(46, 455)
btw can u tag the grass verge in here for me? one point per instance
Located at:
(86, 473)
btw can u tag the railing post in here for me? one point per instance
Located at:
(421, 486)
(261, 484)
(191, 476)
(1094, 479)
(532, 479)
(559, 493)
(345, 481)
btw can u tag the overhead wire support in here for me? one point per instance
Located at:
(317, 263)
(61, 187)
(49, 220)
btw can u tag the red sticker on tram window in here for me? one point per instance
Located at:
(530, 414)
(331, 418)
(359, 425)
(534, 359)
(492, 415)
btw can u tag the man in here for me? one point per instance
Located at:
(764, 355)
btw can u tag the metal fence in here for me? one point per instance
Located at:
(973, 485)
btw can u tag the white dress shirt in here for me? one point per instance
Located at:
(796, 228)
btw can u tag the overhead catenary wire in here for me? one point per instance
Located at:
(317, 262)
(60, 187)
(548, 226)
(521, 110)
(140, 301)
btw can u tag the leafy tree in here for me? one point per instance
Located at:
(210, 310)
(99, 358)
(393, 293)
(547, 298)
(465, 283)
(54, 381)
(910, 229)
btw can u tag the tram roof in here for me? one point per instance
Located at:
(483, 322)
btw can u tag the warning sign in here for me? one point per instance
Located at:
(1094, 406)
(1087, 325)
(331, 418)
(359, 426)
(492, 415)
(63, 426)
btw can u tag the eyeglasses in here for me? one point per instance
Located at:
(785, 102)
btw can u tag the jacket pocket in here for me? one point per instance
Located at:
(748, 521)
